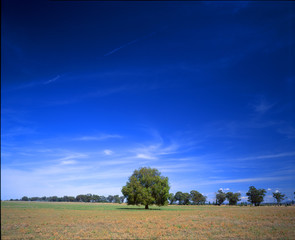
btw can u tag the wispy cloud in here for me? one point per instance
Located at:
(95, 94)
(38, 83)
(97, 138)
(288, 131)
(17, 131)
(248, 180)
(154, 151)
(145, 156)
(262, 106)
(108, 152)
(52, 80)
(67, 162)
(58, 170)
(278, 155)
(71, 156)
(129, 43)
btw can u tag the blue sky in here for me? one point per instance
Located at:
(91, 91)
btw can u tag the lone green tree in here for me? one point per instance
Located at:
(255, 196)
(278, 196)
(220, 197)
(233, 198)
(146, 186)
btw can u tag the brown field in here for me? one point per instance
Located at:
(36, 220)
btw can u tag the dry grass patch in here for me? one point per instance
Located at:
(114, 221)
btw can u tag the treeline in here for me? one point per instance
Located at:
(196, 198)
(255, 197)
(192, 198)
(79, 198)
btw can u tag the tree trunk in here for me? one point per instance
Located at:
(146, 206)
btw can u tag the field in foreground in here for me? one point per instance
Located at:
(38, 220)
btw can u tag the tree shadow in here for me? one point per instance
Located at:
(150, 209)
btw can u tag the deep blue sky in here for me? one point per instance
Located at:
(203, 91)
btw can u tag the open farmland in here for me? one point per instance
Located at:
(41, 220)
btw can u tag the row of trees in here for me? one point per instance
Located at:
(146, 186)
(79, 198)
(194, 198)
(255, 197)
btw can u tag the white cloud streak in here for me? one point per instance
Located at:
(262, 106)
(36, 83)
(52, 80)
(67, 162)
(108, 152)
(279, 155)
(249, 180)
(97, 138)
(129, 43)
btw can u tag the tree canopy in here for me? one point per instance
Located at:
(279, 196)
(197, 198)
(220, 197)
(233, 198)
(146, 186)
(255, 196)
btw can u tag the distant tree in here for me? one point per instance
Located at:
(146, 186)
(233, 198)
(179, 197)
(88, 197)
(25, 198)
(122, 198)
(110, 198)
(171, 198)
(186, 198)
(95, 198)
(279, 197)
(255, 196)
(220, 197)
(54, 199)
(197, 198)
(67, 199)
(81, 198)
(33, 199)
(117, 199)
(103, 199)
(71, 199)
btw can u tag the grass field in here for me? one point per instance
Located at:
(41, 220)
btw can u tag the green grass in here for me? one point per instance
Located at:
(94, 206)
